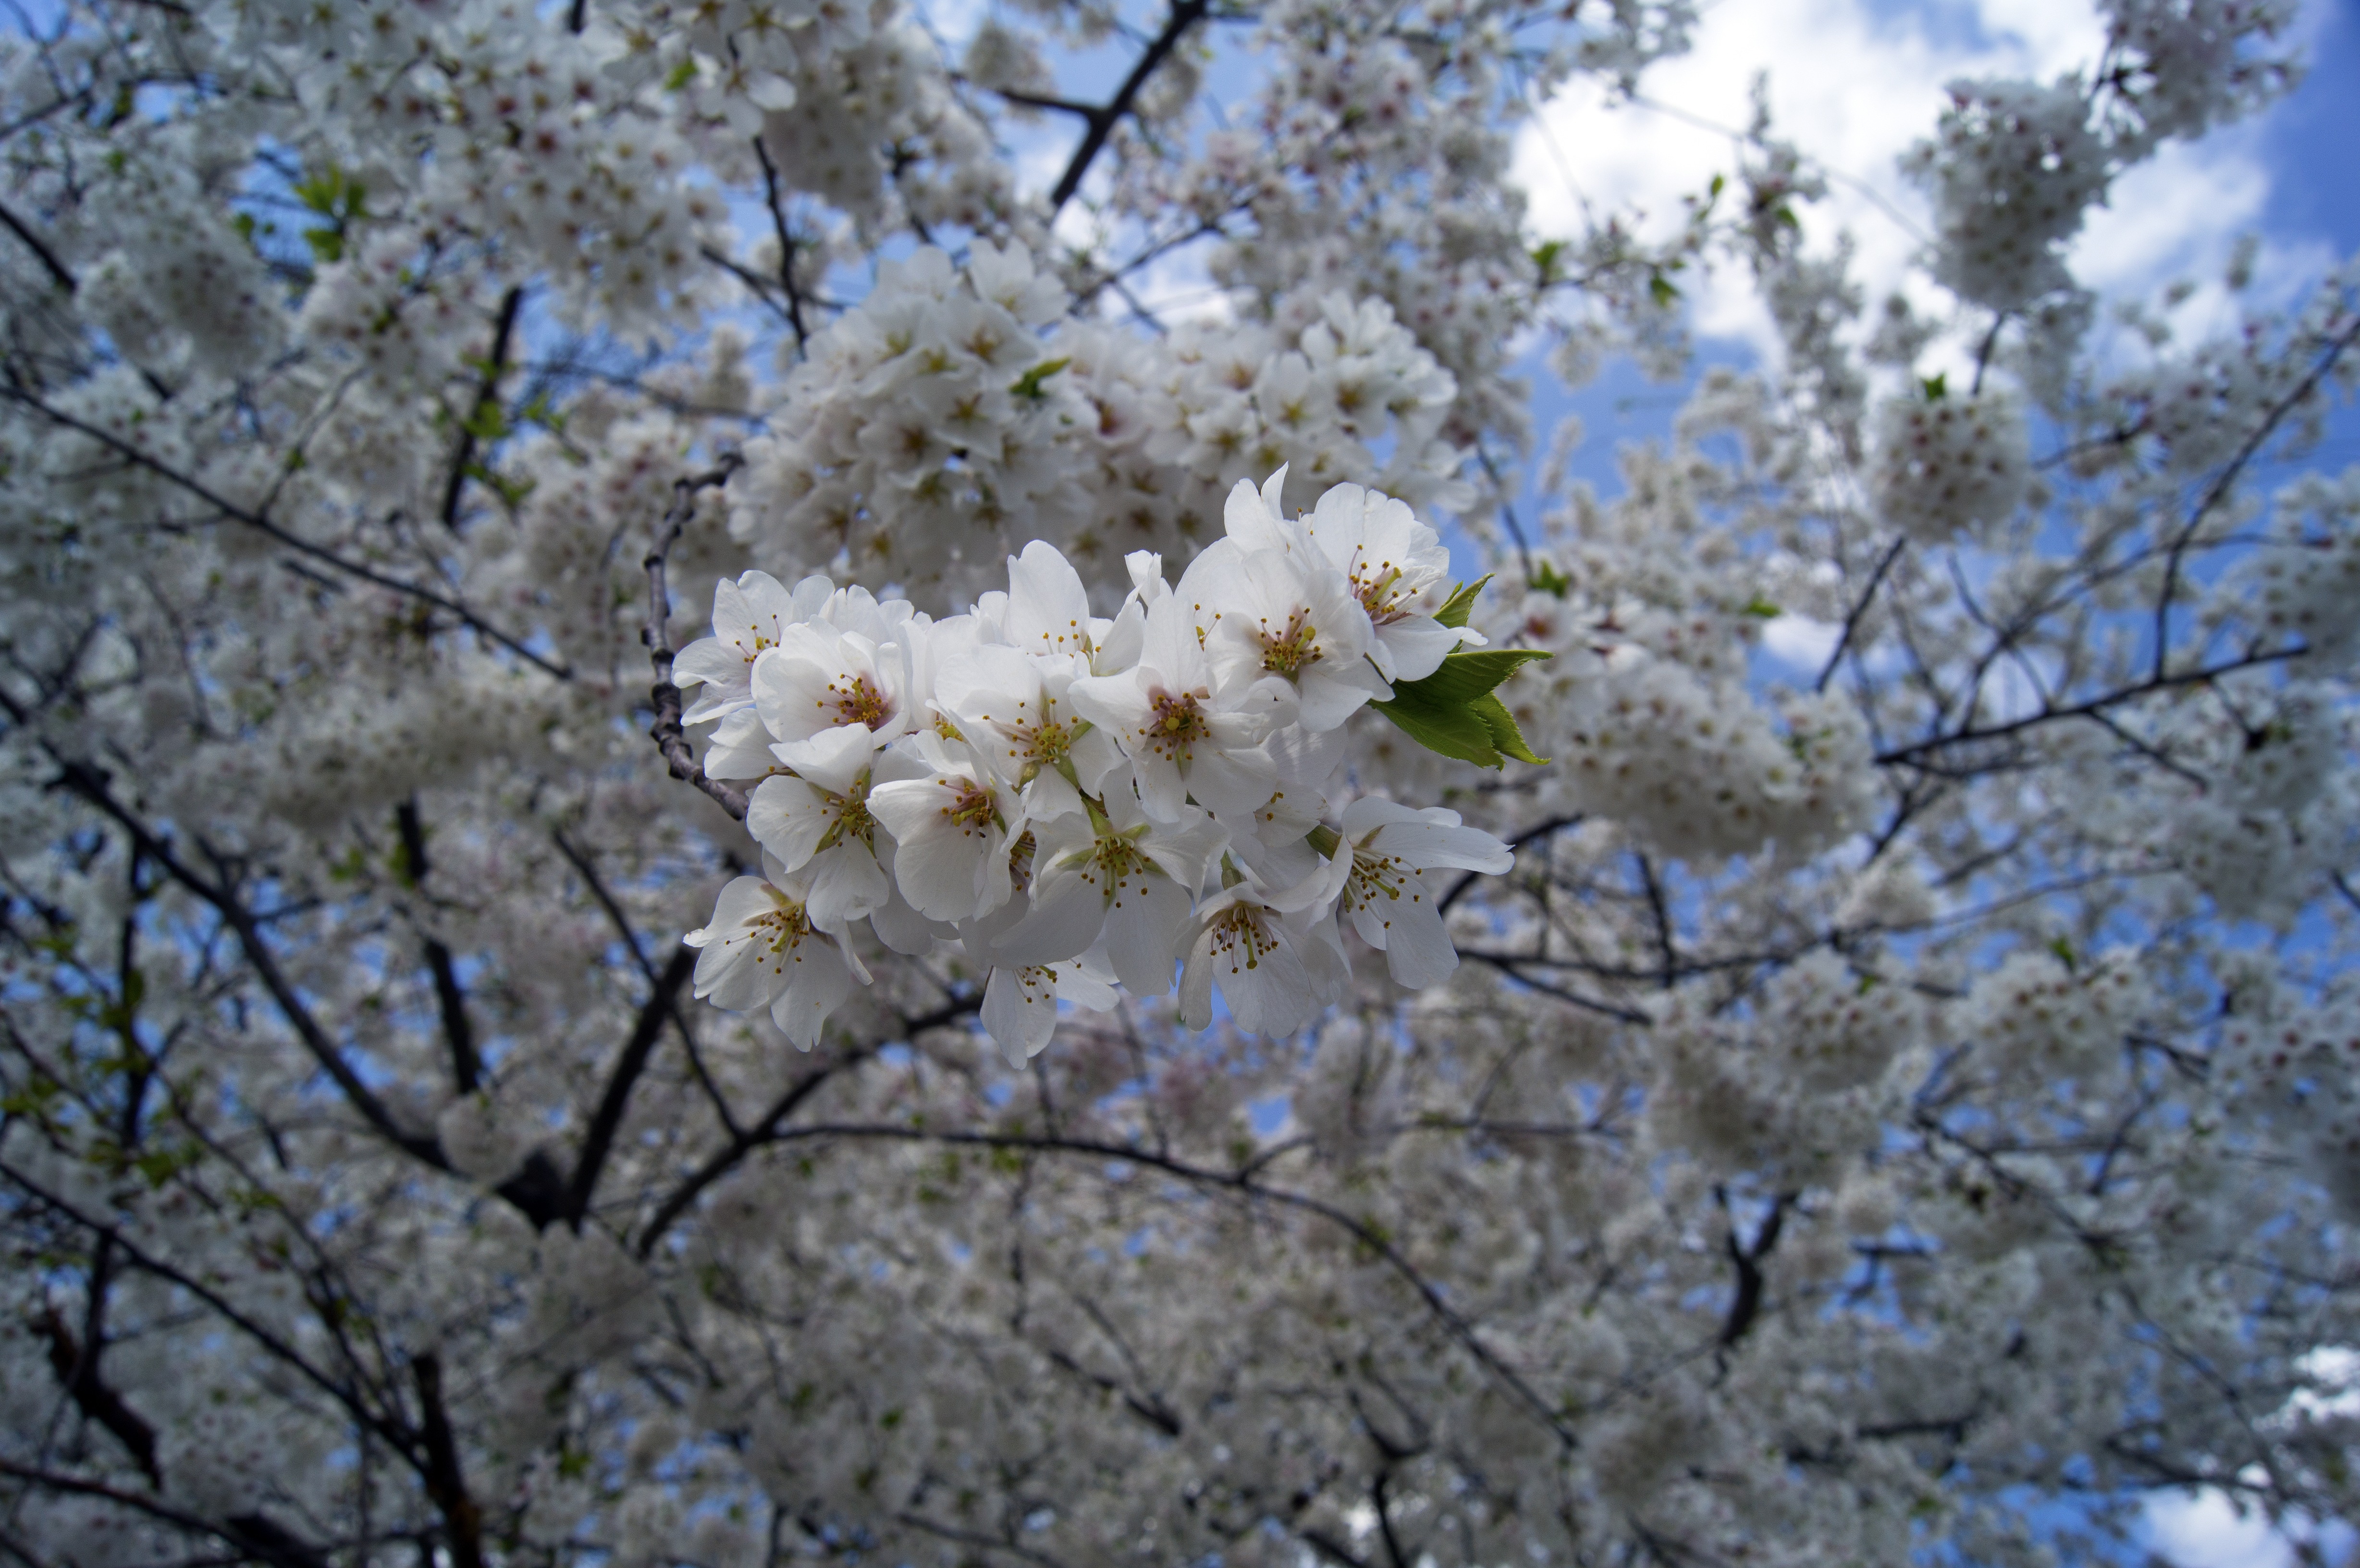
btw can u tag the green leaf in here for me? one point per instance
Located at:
(1456, 608)
(511, 492)
(1663, 290)
(680, 76)
(1547, 578)
(1935, 388)
(1453, 711)
(2064, 951)
(1762, 608)
(1545, 257)
(1473, 671)
(542, 412)
(1506, 737)
(1029, 384)
(486, 423)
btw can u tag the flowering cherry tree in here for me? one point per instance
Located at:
(708, 856)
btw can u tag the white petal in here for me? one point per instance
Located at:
(1143, 931)
(1020, 1009)
(788, 818)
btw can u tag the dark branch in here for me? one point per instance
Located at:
(1859, 609)
(1912, 754)
(48, 257)
(1100, 123)
(77, 1368)
(1376, 1242)
(786, 245)
(1745, 1303)
(458, 1032)
(255, 1533)
(488, 400)
(228, 509)
(2226, 481)
(668, 734)
(445, 1486)
(599, 1141)
(91, 785)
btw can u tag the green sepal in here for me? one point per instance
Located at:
(1454, 710)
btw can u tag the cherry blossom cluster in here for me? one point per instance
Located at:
(2304, 580)
(1080, 802)
(2012, 169)
(1946, 464)
(962, 409)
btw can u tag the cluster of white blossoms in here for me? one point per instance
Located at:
(2304, 580)
(1082, 802)
(2013, 168)
(1946, 464)
(944, 422)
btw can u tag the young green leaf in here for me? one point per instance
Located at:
(1453, 711)
(1461, 602)
(1029, 384)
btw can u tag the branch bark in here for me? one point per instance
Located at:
(1100, 123)
(668, 734)
(446, 1485)
(487, 397)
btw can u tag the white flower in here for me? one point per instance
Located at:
(1278, 612)
(1389, 558)
(821, 678)
(1019, 1003)
(1013, 710)
(1118, 878)
(1273, 955)
(1048, 610)
(951, 826)
(819, 819)
(761, 950)
(1181, 739)
(1386, 898)
(749, 617)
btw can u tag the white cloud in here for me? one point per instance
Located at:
(1854, 83)
(2206, 1531)
(1798, 642)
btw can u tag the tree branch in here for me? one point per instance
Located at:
(2226, 481)
(77, 1368)
(91, 785)
(786, 245)
(668, 734)
(1911, 754)
(458, 1032)
(488, 399)
(599, 1141)
(445, 1486)
(1364, 1235)
(1860, 608)
(48, 257)
(1100, 123)
(228, 509)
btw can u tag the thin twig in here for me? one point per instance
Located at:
(668, 732)
(230, 509)
(1860, 608)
